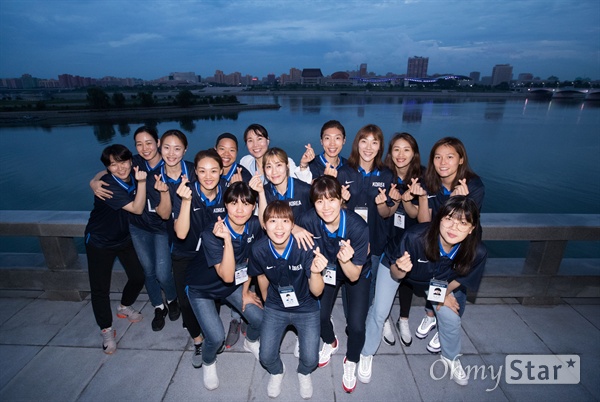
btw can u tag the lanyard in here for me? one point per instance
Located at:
(205, 199)
(130, 188)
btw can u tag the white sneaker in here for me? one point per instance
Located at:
(326, 351)
(297, 348)
(388, 334)
(434, 345)
(365, 366)
(404, 329)
(306, 388)
(252, 347)
(109, 344)
(456, 371)
(211, 380)
(349, 378)
(427, 324)
(274, 386)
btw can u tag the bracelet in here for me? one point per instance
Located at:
(141, 181)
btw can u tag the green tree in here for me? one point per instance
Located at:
(97, 98)
(146, 99)
(184, 98)
(118, 99)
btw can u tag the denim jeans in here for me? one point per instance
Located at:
(449, 325)
(385, 291)
(273, 328)
(154, 254)
(212, 326)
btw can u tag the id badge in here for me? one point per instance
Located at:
(329, 277)
(363, 212)
(399, 219)
(241, 273)
(288, 296)
(437, 290)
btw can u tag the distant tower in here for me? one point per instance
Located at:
(501, 73)
(475, 76)
(417, 67)
(363, 70)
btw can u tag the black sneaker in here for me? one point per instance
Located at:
(174, 310)
(233, 334)
(158, 322)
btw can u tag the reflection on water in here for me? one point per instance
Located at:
(533, 156)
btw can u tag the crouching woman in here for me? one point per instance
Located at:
(445, 258)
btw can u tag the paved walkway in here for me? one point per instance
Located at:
(50, 350)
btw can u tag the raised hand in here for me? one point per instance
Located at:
(308, 156)
(404, 263)
(381, 197)
(319, 262)
(256, 183)
(160, 185)
(237, 176)
(183, 190)
(140, 175)
(461, 188)
(330, 170)
(346, 251)
(414, 190)
(394, 193)
(220, 230)
(346, 193)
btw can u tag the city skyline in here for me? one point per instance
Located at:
(258, 37)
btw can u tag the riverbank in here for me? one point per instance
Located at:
(54, 117)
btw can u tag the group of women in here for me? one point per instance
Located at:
(276, 241)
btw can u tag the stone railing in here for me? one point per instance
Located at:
(542, 277)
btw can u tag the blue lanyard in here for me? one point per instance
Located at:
(326, 163)
(289, 193)
(286, 252)
(205, 200)
(158, 165)
(341, 232)
(364, 173)
(130, 188)
(234, 235)
(232, 170)
(167, 179)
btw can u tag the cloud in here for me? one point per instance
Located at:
(134, 39)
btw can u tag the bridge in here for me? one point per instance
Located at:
(566, 93)
(50, 350)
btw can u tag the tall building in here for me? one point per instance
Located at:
(363, 70)
(501, 73)
(417, 67)
(475, 76)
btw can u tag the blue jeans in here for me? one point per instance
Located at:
(212, 326)
(273, 328)
(154, 254)
(449, 324)
(385, 291)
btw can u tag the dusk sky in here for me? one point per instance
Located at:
(149, 39)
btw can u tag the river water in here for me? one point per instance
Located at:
(533, 156)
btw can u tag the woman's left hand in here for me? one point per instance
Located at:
(250, 298)
(140, 175)
(461, 189)
(308, 156)
(450, 302)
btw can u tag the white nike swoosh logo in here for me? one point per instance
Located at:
(271, 267)
(196, 209)
(420, 260)
(316, 237)
(348, 182)
(431, 196)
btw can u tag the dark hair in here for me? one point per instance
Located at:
(175, 133)
(460, 207)
(333, 124)
(208, 153)
(354, 159)
(119, 152)
(325, 187)
(276, 153)
(433, 182)
(258, 130)
(414, 168)
(278, 209)
(239, 191)
(226, 135)
(146, 129)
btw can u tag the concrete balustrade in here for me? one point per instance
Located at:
(542, 277)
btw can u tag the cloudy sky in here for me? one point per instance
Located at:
(151, 38)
